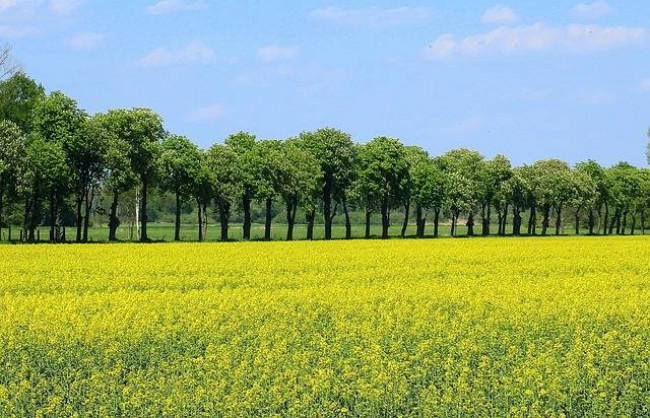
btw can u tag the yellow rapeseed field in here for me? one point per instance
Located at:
(466, 327)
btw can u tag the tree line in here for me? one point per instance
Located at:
(54, 157)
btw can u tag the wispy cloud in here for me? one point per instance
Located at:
(594, 10)
(372, 16)
(536, 38)
(175, 6)
(65, 6)
(499, 15)
(85, 41)
(273, 53)
(195, 52)
(207, 114)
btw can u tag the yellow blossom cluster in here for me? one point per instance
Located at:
(466, 327)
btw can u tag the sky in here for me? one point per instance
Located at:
(527, 79)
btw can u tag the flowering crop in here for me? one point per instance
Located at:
(488, 327)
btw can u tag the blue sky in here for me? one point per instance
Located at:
(529, 79)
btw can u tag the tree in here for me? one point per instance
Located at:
(335, 152)
(300, 181)
(643, 201)
(386, 166)
(364, 192)
(552, 189)
(57, 119)
(19, 96)
(496, 172)
(625, 188)
(268, 162)
(458, 197)
(227, 185)
(517, 191)
(426, 187)
(469, 166)
(203, 190)
(144, 135)
(584, 195)
(242, 144)
(179, 168)
(597, 175)
(12, 148)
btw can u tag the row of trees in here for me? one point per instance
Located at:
(54, 156)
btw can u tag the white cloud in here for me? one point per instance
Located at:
(174, 6)
(536, 38)
(6, 4)
(372, 16)
(273, 53)
(594, 10)
(207, 114)
(195, 52)
(499, 15)
(645, 85)
(65, 6)
(85, 41)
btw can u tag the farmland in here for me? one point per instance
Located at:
(520, 327)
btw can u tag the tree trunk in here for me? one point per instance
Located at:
(177, 222)
(642, 221)
(605, 219)
(454, 217)
(487, 219)
(200, 219)
(79, 220)
(224, 216)
(633, 226)
(143, 213)
(385, 217)
(546, 221)
(405, 224)
(246, 205)
(292, 205)
(592, 222)
(436, 222)
(516, 222)
(532, 221)
(311, 215)
(348, 223)
(577, 222)
(504, 220)
(368, 218)
(90, 196)
(499, 221)
(114, 221)
(612, 222)
(624, 223)
(267, 220)
(470, 225)
(419, 221)
(327, 211)
(558, 220)
(53, 225)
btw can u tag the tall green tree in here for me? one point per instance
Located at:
(268, 162)
(57, 119)
(300, 181)
(203, 190)
(227, 185)
(552, 189)
(335, 152)
(19, 96)
(584, 195)
(179, 168)
(243, 144)
(427, 186)
(12, 149)
(469, 165)
(365, 193)
(494, 174)
(386, 167)
(597, 175)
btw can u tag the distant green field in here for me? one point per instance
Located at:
(165, 232)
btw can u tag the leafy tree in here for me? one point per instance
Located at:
(365, 193)
(203, 189)
(179, 169)
(552, 189)
(120, 176)
(386, 166)
(243, 144)
(469, 166)
(495, 173)
(335, 152)
(584, 195)
(268, 162)
(643, 201)
(517, 191)
(144, 133)
(597, 175)
(426, 188)
(58, 120)
(300, 181)
(12, 148)
(18, 98)
(222, 163)
(625, 187)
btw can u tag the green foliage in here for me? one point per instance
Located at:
(179, 165)
(19, 95)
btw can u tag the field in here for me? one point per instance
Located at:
(488, 327)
